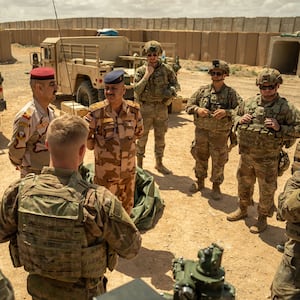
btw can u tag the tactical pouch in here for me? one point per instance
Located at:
(112, 259)
(14, 252)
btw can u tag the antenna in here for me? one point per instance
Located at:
(62, 47)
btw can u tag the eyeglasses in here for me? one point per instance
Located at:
(151, 54)
(267, 87)
(213, 73)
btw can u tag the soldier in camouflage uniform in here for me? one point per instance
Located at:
(6, 290)
(63, 230)
(26, 149)
(212, 106)
(155, 85)
(115, 124)
(264, 124)
(286, 283)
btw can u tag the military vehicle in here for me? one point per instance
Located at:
(81, 63)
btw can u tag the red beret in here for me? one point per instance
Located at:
(42, 73)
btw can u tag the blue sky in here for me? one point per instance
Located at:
(21, 10)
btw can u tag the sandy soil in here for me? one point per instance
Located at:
(190, 221)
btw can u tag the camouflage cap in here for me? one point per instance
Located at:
(152, 46)
(219, 64)
(269, 75)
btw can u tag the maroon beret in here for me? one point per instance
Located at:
(42, 73)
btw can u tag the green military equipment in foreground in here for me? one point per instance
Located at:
(202, 279)
(194, 280)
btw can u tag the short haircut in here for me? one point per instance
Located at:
(67, 130)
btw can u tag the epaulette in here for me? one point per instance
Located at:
(27, 114)
(97, 105)
(133, 104)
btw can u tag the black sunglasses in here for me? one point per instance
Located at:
(214, 73)
(267, 87)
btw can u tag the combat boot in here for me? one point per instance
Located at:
(139, 161)
(260, 225)
(160, 167)
(197, 186)
(216, 192)
(238, 214)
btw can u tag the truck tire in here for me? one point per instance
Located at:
(86, 94)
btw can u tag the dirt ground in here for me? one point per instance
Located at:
(190, 221)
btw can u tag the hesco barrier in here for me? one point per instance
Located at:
(249, 48)
(5, 49)
(235, 24)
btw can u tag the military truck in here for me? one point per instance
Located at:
(82, 62)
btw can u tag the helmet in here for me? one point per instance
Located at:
(152, 46)
(269, 75)
(219, 64)
(284, 162)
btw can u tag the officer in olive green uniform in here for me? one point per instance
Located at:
(26, 148)
(264, 124)
(286, 283)
(212, 106)
(64, 231)
(115, 124)
(155, 85)
(6, 290)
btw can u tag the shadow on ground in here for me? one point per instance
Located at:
(150, 263)
(173, 182)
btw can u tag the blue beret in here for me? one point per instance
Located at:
(42, 73)
(114, 77)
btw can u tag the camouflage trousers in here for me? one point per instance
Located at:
(155, 115)
(6, 290)
(210, 144)
(123, 188)
(42, 288)
(265, 170)
(286, 282)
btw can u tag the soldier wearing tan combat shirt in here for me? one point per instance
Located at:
(26, 149)
(115, 124)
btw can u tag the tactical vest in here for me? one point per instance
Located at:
(255, 134)
(293, 231)
(212, 102)
(51, 235)
(157, 85)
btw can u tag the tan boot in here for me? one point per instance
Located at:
(216, 192)
(139, 161)
(238, 214)
(197, 186)
(160, 167)
(260, 225)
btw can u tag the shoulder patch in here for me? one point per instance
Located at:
(27, 114)
(97, 105)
